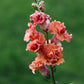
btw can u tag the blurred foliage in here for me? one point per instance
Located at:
(14, 60)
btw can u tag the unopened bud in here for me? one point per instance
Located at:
(35, 6)
(42, 6)
(45, 72)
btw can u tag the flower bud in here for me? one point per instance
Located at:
(35, 6)
(42, 6)
(45, 72)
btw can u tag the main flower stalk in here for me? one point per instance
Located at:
(53, 77)
(51, 67)
(47, 37)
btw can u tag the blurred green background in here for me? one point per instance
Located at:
(14, 60)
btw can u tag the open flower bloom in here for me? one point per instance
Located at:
(39, 66)
(30, 32)
(33, 46)
(56, 27)
(51, 54)
(40, 18)
(39, 36)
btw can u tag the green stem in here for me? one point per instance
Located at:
(52, 69)
(47, 37)
(35, 0)
(37, 7)
(53, 78)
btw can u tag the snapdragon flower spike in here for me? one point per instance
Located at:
(40, 18)
(51, 54)
(48, 52)
(58, 28)
(39, 66)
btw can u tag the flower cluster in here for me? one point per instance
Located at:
(48, 52)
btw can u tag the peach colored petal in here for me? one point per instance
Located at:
(41, 37)
(55, 39)
(33, 46)
(64, 36)
(39, 66)
(49, 53)
(58, 29)
(44, 26)
(29, 32)
(39, 17)
(27, 37)
(60, 61)
(52, 27)
(67, 37)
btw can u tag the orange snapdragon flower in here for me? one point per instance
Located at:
(40, 18)
(39, 36)
(51, 54)
(58, 28)
(33, 46)
(39, 66)
(32, 34)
